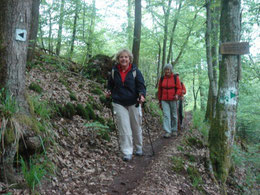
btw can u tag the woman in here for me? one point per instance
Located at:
(168, 92)
(127, 88)
(183, 92)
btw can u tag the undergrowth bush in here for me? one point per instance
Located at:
(200, 124)
(102, 130)
(33, 173)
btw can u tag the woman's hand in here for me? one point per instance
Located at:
(142, 99)
(108, 94)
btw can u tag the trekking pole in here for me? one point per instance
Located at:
(146, 125)
(114, 121)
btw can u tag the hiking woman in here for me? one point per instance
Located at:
(169, 91)
(181, 99)
(127, 88)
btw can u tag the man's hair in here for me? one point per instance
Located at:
(126, 51)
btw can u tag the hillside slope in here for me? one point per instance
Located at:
(86, 159)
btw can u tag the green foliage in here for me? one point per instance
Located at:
(35, 87)
(81, 111)
(96, 91)
(248, 160)
(200, 124)
(178, 164)
(8, 105)
(73, 97)
(190, 157)
(64, 82)
(102, 130)
(68, 111)
(111, 125)
(194, 142)
(180, 148)
(90, 111)
(40, 107)
(101, 120)
(153, 108)
(105, 101)
(34, 174)
(195, 177)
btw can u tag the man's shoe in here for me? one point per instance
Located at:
(139, 152)
(167, 135)
(127, 157)
(174, 133)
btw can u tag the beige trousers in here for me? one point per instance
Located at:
(129, 121)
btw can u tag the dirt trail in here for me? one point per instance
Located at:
(130, 179)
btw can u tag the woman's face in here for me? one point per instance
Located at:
(124, 60)
(167, 72)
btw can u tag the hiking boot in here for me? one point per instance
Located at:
(167, 135)
(174, 133)
(139, 152)
(127, 157)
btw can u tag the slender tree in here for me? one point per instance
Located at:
(33, 30)
(175, 22)
(50, 46)
(91, 31)
(58, 46)
(137, 31)
(74, 29)
(129, 23)
(166, 11)
(211, 37)
(222, 131)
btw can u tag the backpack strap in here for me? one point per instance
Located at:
(134, 74)
(113, 73)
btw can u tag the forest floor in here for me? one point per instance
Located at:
(85, 163)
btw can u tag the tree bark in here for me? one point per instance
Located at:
(137, 31)
(58, 46)
(14, 15)
(74, 30)
(176, 18)
(33, 30)
(91, 31)
(211, 37)
(129, 24)
(50, 29)
(222, 131)
(166, 23)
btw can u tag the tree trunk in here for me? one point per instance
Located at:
(166, 23)
(158, 65)
(211, 37)
(222, 131)
(129, 24)
(173, 30)
(137, 31)
(15, 16)
(91, 31)
(33, 30)
(202, 103)
(50, 30)
(74, 30)
(185, 41)
(58, 46)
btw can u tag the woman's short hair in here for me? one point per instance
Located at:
(167, 66)
(131, 57)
